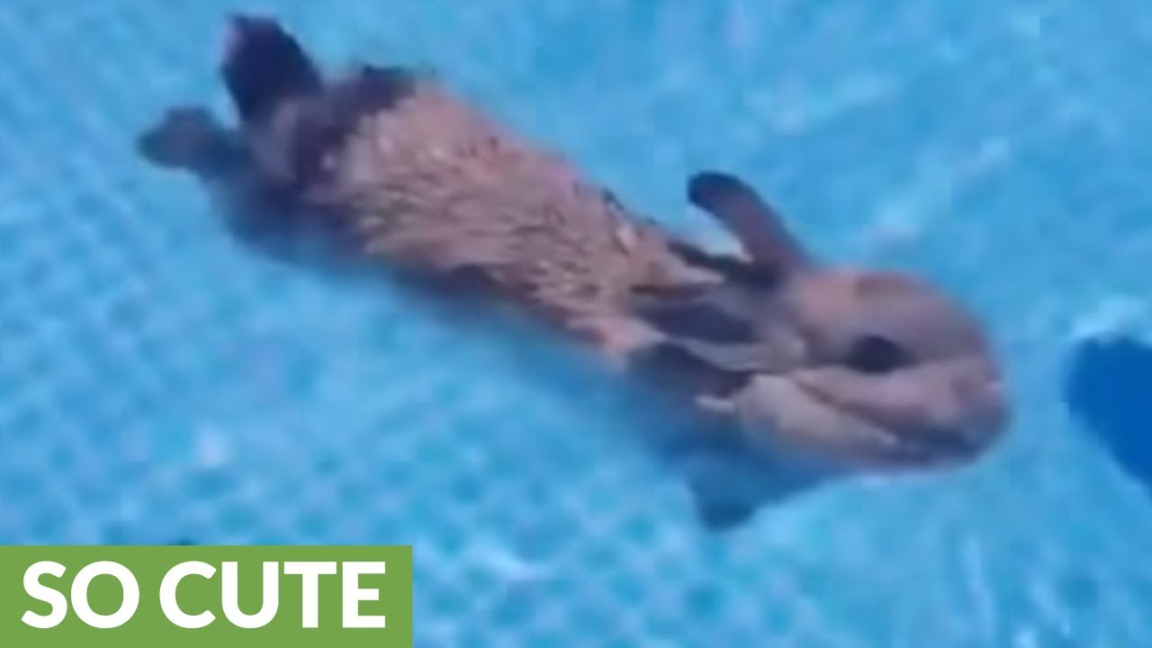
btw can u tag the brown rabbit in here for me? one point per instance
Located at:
(879, 369)
(841, 370)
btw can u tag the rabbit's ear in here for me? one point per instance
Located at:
(730, 328)
(750, 219)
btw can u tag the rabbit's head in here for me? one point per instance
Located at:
(861, 369)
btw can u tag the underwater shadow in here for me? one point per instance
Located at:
(1107, 390)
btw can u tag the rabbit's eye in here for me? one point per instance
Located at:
(874, 354)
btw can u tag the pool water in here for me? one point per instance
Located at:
(161, 383)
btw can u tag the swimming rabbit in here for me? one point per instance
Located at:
(848, 370)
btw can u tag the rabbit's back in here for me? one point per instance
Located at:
(434, 185)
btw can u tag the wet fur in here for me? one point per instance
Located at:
(394, 171)
(384, 168)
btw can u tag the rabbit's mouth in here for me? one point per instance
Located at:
(926, 418)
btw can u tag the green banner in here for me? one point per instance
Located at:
(197, 596)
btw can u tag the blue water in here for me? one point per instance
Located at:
(159, 383)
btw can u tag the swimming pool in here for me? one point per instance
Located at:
(160, 383)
